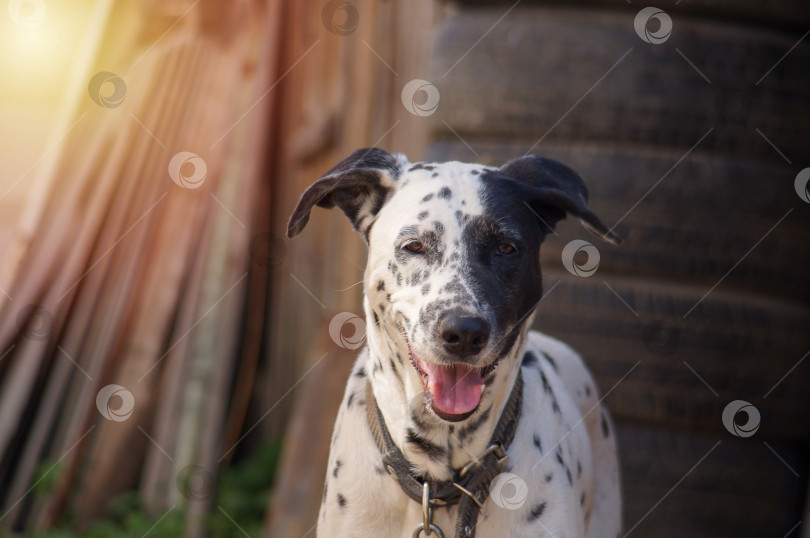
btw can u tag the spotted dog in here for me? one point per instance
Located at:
(451, 286)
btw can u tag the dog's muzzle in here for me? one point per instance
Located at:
(454, 388)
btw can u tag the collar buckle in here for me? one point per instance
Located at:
(494, 448)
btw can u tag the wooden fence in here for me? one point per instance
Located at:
(158, 325)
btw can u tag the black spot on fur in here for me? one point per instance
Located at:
(422, 215)
(335, 434)
(588, 390)
(349, 401)
(550, 361)
(546, 384)
(454, 287)
(431, 450)
(582, 500)
(426, 289)
(537, 511)
(470, 428)
(475, 172)
(537, 442)
(579, 468)
(379, 470)
(548, 477)
(380, 285)
(529, 359)
(560, 460)
(428, 197)
(376, 319)
(438, 229)
(341, 500)
(445, 193)
(394, 368)
(422, 166)
(338, 463)
(605, 428)
(555, 407)
(325, 486)
(434, 174)
(419, 421)
(568, 475)
(361, 372)
(429, 313)
(381, 306)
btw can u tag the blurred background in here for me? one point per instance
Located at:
(167, 366)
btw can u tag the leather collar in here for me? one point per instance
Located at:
(470, 486)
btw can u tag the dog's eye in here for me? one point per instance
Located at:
(413, 246)
(505, 249)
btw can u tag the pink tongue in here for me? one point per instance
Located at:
(456, 389)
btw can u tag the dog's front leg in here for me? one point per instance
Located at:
(359, 498)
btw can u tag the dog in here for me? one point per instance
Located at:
(451, 286)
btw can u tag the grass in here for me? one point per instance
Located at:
(240, 503)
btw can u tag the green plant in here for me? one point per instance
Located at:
(243, 492)
(241, 498)
(46, 474)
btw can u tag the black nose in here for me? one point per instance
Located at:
(463, 334)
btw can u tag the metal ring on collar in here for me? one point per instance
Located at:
(427, 515)
(469, 494)
(427, 512)
(493, 448)
(431, 529)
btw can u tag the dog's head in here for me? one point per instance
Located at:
(453, 272)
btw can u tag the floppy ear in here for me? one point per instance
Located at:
(359, 185)
(552, 189)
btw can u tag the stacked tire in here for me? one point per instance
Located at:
(691, 144)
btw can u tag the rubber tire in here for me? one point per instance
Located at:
(740, 345)
(782, 13)
(739, 489)
(534, 65)
(693, 227)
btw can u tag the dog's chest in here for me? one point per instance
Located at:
(546, 485)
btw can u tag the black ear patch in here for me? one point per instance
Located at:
(552, 189)
(359, 185)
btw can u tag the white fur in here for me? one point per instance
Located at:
(374, 503)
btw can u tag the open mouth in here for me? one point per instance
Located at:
(453, 390)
